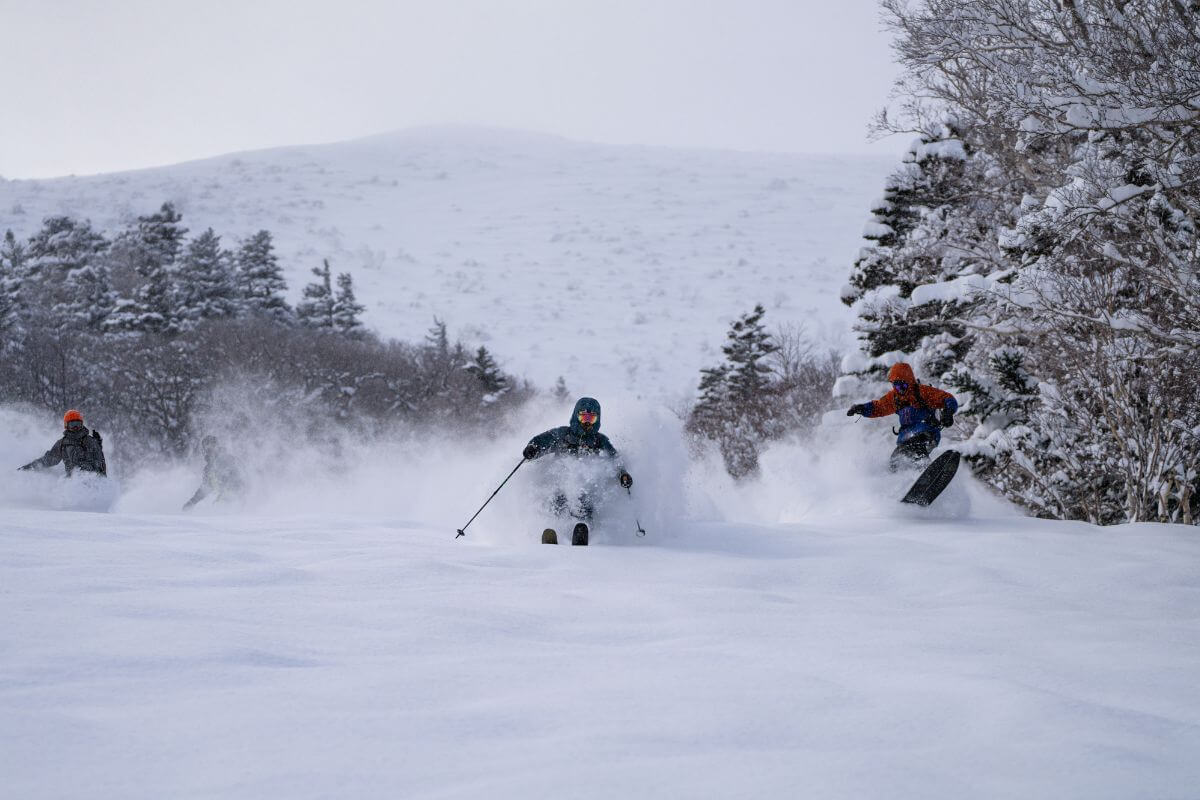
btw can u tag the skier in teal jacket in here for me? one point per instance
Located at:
(580, 439)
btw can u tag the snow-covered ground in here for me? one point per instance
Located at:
(799, 636)
(616, 267)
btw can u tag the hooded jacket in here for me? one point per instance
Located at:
(77, 450)
(917, 406)
(573, 439)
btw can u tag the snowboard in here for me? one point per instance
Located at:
(579, 536)
(934, 479)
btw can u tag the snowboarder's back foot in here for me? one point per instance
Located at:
(549, 536)
(580, 534)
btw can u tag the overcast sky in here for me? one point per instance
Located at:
(94, 86)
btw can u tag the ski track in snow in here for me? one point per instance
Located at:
(798, 635)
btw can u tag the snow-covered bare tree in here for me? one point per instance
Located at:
(1074, 333)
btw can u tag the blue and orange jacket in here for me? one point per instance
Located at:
(917, 407)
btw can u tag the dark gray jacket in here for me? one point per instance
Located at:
(574, 440)
(77, 450)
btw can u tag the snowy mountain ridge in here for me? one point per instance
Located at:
(616, 267)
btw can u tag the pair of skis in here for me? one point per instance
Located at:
(579, 536)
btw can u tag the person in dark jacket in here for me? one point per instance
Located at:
(78, 449)
(923, 411)
(579, 439)
(222, 477)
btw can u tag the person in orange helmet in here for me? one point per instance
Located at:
(923, 410)
(78, 449)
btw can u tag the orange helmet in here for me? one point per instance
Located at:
(72, 416)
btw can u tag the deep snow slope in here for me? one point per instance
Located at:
(616, 267)
(801, 635)
(150, 656)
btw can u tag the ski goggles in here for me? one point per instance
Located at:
(588, 417)
(74, 424)
(900, 386)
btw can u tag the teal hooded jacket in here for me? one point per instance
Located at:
(574, 439)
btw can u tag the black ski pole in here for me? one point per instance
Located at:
(463, 530)
(640, 530)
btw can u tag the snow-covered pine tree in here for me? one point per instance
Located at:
(488, 373)
(149, 251)
(160, 237)
(560, 391)
(492, 380)
(316, 310)
(735, 408)
(11, 266)
(260, 278)
(65, 275)
(205, 280)
(933, 250)
(346, 308)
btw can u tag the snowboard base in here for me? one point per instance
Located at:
(933, 480)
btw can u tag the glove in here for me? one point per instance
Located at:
(530, 450)
(96, 436)
(626, 480)
(857, 408)
(947, 418)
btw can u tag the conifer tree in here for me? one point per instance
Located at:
(735, 408)
(560, 391)
(150, 249)
(260, 278)
(13, 255)
(437, 341)
(11, 262)
(317, 308)
(491, 379)
(160, 236)
(64, 274)
(205, 280)
(346, 309)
